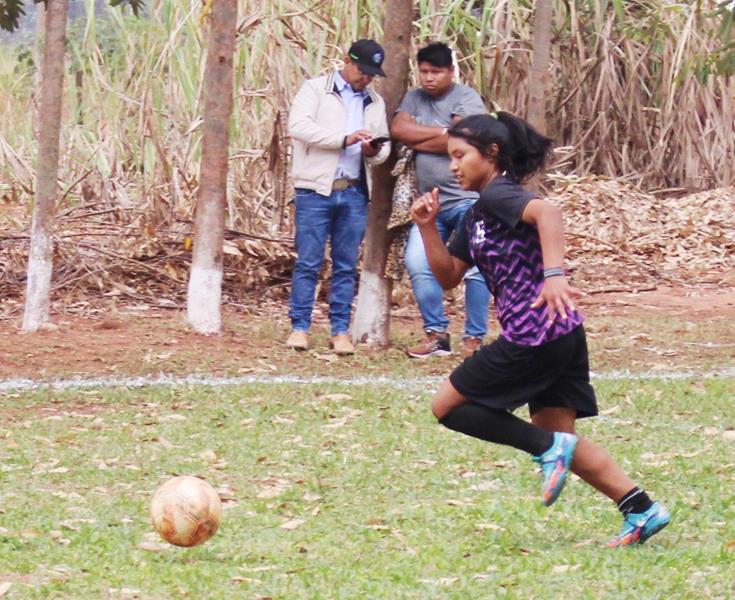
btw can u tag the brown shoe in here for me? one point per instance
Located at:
(298, 340)
(470, 345)
(435, 344)
(342, 344)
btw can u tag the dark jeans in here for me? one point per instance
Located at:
(426, 289)
(340, 217)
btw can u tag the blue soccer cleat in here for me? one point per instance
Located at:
(555, 463)
(638, 527)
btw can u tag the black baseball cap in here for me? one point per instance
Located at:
(368, 55)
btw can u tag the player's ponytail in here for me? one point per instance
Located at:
(522, 151)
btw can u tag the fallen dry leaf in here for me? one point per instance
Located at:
(154, 546)
(173, 417)
(485, 486)
(258, 569)
(208, 455)
(272, 488)
(460, 503)
(488, 526)
(337, 397)
(240, 579)
(399, 535)
(441, 581)
(293, 524)
(165, 443)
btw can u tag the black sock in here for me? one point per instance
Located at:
(635, 501)
(498, 426)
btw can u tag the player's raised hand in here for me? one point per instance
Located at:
(425, 208)
(558, 296)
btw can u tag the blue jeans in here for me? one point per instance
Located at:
(342, 217)
(426, 289)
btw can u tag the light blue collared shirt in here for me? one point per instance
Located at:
(350, 160)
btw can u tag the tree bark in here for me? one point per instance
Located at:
(538, 87)
(40, 255)
(372, 313)
(205, 280)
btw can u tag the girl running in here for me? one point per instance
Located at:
(516, 240)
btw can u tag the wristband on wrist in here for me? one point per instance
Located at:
(344, 142)
(445, 130)
(553, 272)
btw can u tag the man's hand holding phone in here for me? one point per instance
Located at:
(377, 142)
(372, 146)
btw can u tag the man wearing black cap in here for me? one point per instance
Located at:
(333, 120)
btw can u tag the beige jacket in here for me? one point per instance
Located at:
(316, 125)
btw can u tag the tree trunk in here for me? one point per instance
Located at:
(205, 281)
(538, 86)
(372, 314)
(38, 43)
(40, 255)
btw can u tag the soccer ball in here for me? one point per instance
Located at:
(186, 511)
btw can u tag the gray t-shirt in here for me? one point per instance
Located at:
(432, 170)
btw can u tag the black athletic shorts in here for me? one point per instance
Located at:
(505, 375)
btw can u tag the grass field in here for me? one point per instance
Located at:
(347, 492)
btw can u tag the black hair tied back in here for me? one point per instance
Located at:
(522, 151)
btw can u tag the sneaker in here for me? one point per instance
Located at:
(638, 527)
(342, 344)
(470, 345)
(555, 464)
(435, 344)
(298, 340)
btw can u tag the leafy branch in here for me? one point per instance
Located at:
(12, 10)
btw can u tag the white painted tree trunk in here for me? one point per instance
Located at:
(40, 255)
(371, 323)
(204, 295)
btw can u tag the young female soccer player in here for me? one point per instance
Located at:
(516, 239)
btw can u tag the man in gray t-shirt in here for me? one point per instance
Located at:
(432, 168)
(421, 121)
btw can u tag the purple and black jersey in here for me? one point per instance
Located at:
(508, 254)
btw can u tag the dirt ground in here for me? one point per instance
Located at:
(691, 328)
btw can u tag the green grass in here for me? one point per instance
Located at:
(393, 506)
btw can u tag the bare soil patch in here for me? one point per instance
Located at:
(667, 328)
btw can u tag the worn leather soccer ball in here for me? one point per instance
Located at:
(186, 511)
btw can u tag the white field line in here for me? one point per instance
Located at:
(18, 385)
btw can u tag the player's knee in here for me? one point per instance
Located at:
(437, 409)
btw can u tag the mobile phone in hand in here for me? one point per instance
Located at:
(377, 142)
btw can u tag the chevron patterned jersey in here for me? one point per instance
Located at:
(508, 254)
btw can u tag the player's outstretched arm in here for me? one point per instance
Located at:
(556, 293)
(447, 269)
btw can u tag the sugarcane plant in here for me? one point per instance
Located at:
(40, 255)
